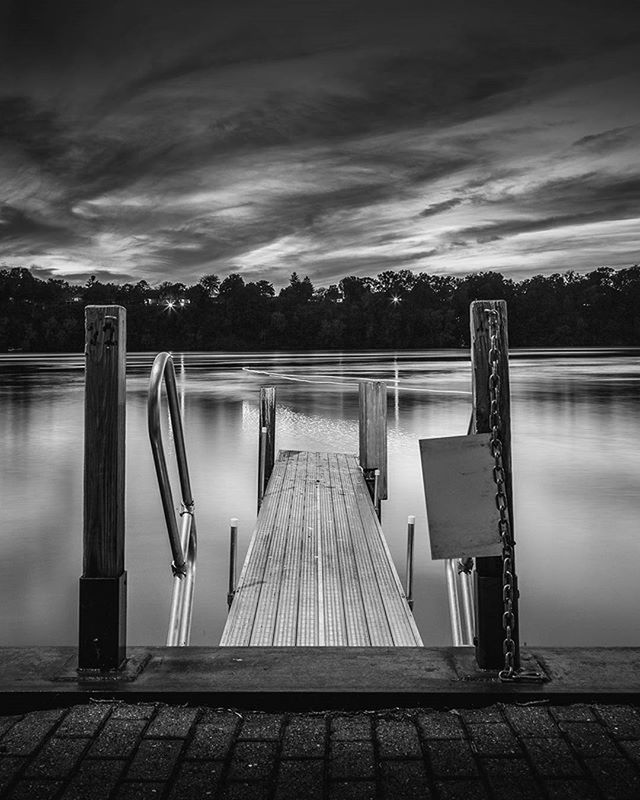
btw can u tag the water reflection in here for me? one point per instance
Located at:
(577, 471)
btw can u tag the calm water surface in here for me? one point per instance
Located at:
(576, 440)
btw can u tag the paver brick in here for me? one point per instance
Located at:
(98, 792)
(511, 779)
(480, 715)
(210, 741)
(196, 779)
(494, 739)
(461, 790)
(404, 780)
(118, 738)
(589, 739)
(515, 790)
(304, 736)
(622, 721)
(506, 768)
(57, 758)
(302, 778)
(351, 727)
(220, 716)
(570, 790)
(352, 790)
(95, 780)
(103, 772)
(35, 790)
(511, 753)
(397, 738)
(172, 722)
(531, 721)
(632, 749)
(7, 722)
(154, 760)
(451, 758)
(246, 791)
(50, 714)
(553, 758)
(351, 760)
(84, 720)
(617, 779)
(261, 726)
(578, 712)
(10, 766)
(139, 791)
(252, 761)
(133, 710)
(26, 735)
(440, 725)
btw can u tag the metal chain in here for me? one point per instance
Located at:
(504, 524)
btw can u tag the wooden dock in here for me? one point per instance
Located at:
(318, 571)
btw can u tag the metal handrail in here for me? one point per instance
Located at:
(461, 602)
(460, 590)
(183, 542)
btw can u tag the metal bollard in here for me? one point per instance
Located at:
(233, 549)
(262, 462)
(411, 528)
(376, 493)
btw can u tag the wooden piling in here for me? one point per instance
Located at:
(267, 442)
(102, 618)
(373, 434)
(490, 605)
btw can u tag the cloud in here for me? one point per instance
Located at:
(26, 235)
(438, 208)
(606, 140)
(264, 136)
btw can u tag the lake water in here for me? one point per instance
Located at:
(576, 449)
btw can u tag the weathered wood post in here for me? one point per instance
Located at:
(267, 441)
(103, 585)
(373, 436)
(490, 633)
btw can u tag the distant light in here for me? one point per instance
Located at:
(395, 299)
(170, 304)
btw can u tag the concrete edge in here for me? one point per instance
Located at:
(318, 678)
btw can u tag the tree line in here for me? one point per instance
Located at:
(395, 309)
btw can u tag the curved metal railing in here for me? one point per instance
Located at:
(183, 541)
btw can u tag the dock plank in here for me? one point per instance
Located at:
(318, 571)
(333, 605)
(356, 618)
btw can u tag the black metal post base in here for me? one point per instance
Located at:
(490, 633)
(103, 623)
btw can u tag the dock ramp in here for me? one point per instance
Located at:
(318, 571)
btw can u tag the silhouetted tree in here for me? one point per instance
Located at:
(395, 309)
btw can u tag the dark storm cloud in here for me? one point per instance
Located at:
(17, 227)
(437, 208)
(606, 140)
(32, 130)
(579, 200)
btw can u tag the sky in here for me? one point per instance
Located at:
(164, 140)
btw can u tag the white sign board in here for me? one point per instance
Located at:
(461, 496)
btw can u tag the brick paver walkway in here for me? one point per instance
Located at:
(121, 751)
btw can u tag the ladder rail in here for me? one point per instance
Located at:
(183, 540)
